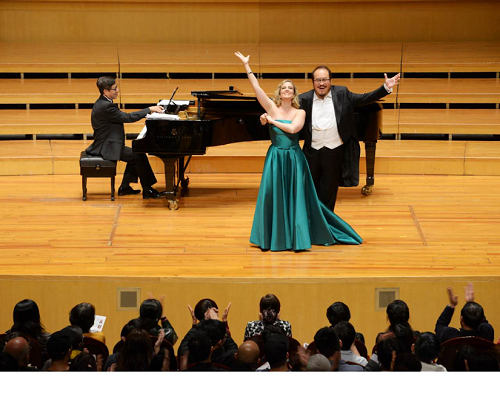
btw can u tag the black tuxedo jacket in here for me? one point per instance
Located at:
(344, 102)
(109, 134)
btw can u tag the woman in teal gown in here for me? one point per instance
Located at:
(288, 214)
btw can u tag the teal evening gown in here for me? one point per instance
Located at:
(288, 214)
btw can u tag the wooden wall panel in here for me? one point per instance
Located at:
(129, 23)
(379, 22)
(249, 21)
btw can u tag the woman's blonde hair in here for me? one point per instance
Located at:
(277, 94)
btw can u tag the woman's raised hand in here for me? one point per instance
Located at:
(243, 59)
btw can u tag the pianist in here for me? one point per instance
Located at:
(109, 139)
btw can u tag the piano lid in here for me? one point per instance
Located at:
(232, 93)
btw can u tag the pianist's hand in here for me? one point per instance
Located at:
(263, 119)
(156, 108)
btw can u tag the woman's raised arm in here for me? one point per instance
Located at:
(263, 99)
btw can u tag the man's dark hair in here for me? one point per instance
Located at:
(199, 346)
(398, 312)
(321, 67)
(105, 83)
(407, 362)
(404, 333)
(215, 329)
(83, 362)
(269, 308)
(131, 325)
(202, 306)
(346, 333)
(337, 312)
(272, 330)
(150, 313)
(472, 314)
(486, 361)
(327, 341)
(385, 349)
(59, 344)
(83, 315)
(76, 335)
(276, 349)
(427, 347)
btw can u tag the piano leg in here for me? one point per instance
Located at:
(170, 191)
(182, 169)
(370, 149)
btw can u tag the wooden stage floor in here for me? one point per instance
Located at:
(412, 225)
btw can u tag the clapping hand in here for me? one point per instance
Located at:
(452, 297)
(243, 59)
(193, 318)
(226, 312)
(391, 82)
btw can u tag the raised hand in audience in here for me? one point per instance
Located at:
(469, 293)
(161, 336)
(391, 82)
(193, 317)
(452, 297)
(226, 313)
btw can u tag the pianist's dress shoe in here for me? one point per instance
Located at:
(122, 191)
(150, 193)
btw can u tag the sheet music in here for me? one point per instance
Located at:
(161, 116)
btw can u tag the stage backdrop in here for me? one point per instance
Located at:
(247, 21)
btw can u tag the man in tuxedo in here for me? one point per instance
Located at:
(329, 125)
(109, 139)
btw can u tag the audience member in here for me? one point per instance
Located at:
(347, 335)
(8, 363)
(131, 325)
(404, 333)
(398, 312)
(208, 309)
(83, 362)
(338, 312)
(247, 358)
(269, 315)
(83, 315)
(427, 349)
(200, 352)
(328, 344)
(468, 358)
(387, 352)
(407, 362)
(472, 319)
(19, 349)
(318, 362)
(137, 352)
(59, 349)
(27, 321)
(276, 349)
(151, 311)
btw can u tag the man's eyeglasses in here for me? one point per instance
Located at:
(321, 80)
(114, 89)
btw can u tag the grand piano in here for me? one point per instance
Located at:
(224, 117)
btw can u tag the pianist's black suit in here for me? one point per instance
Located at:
(325, 164)
(109, 141)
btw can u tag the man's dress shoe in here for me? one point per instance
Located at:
(123, 191)
(150, 193)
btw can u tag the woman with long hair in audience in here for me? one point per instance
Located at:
(27, 321)
(137, 352)
(269, 315)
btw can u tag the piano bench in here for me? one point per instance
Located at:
(94, 166)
